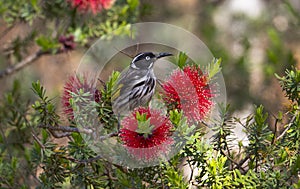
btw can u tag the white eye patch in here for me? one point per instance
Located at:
(147, 57)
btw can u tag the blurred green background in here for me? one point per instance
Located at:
(254, 38)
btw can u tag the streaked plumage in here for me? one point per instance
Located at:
(136, 86)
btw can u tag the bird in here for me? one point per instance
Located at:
(136, 86)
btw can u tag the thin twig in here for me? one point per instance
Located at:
(192, 172)
(93, 159)
(237, 164)
(109, 174)
(27, 61)
(37, 140)
(241, 163)
(16, 67)
(287, 128)
(84, 161)
(67, 129)
(59, 135)
(275, 132)
(102, 82)
(6, 31)
(108, 136)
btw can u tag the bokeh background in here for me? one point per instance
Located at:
(255, 39)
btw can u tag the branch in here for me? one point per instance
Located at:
(67, 129)
(287, 128)
(37, 140)
(192, 171)
(108, 136)
(27, 61)
(93, 159)
(109, 174)
(240, 164)
(275, 132)
(237, 164)
(6, 31)
(16, 67)
(84, 161)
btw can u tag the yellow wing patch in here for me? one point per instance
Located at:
(116, 92)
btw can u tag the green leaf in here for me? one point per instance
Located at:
(144, 126)
(175, 116)
(133, 4)
(38, 89)
(112, 80)
(214, 67)
(182, 59)
(47, 44)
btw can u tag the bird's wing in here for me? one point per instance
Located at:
(119, 87)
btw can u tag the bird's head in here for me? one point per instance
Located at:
(145, 60)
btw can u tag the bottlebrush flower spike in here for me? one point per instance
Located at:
(74, 85)
(146, 146)
(92, 5)
(188, 90)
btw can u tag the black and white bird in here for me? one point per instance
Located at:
(136, 86)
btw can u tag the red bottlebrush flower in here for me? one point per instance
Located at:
(74, 85)
(92, 5)
(150, 141)
(188, 90)
(67, 43)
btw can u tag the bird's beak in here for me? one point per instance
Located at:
(160, 55)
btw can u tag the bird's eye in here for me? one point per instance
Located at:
(147, 57)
